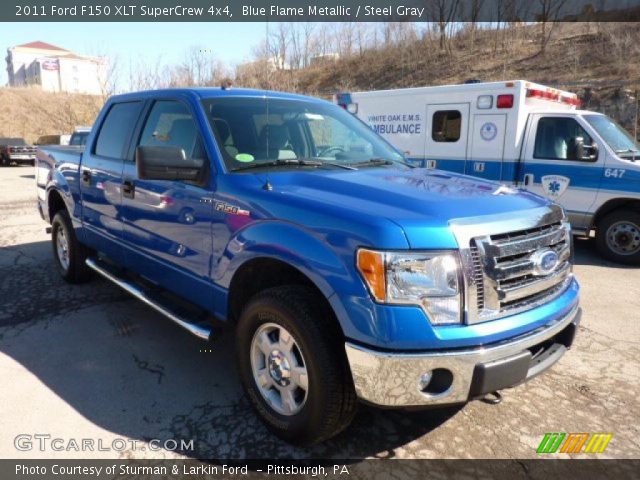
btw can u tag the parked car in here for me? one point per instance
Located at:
(53, 140)
(79, 136)
(523, 134)
(16, 150)
(346, 272)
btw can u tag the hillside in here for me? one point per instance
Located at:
(30, 112)
(599, 61)
(582, 52)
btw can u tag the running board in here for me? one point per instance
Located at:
(200, 331)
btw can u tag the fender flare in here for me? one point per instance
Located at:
(59, 184)
(293, 245)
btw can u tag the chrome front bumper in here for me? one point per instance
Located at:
(394, 379)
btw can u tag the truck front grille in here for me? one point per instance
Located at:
(503, 269)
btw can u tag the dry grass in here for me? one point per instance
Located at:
(30, 112)
(604, 56)
(580, 52)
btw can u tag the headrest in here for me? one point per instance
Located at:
(277, 136)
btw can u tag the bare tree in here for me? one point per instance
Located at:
(548, 14)
(109, 76)
(144, 74)
(475, 8)
(443, 12)
(199, 68)
(108, 71)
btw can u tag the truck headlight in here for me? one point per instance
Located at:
(430, 280)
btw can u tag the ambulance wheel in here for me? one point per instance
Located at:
(618, 237)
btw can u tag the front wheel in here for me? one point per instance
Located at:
(70, 255)
(293, 365)
(618, 237)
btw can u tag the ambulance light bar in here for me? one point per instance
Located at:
(553, 95)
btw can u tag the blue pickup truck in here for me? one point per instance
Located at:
(346, 273)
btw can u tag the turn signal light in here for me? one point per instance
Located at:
(371, 266)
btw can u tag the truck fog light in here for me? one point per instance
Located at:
(436, 382)
(425, 379)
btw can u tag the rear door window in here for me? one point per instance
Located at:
(116, 129)
(446, 126)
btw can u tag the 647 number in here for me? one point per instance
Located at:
(614, 172)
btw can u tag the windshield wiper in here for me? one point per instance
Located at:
(339, 165)
(281, 163)
(629, 153)
(373, 162)
(376, 161)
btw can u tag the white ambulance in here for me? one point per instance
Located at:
(523, 134)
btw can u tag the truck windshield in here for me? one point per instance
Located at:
(79, 138)
(252, 131)
(615, 136)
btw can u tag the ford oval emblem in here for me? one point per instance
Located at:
(544, 262)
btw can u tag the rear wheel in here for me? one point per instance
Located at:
(70, 255)
(293, 366)
(618, 237)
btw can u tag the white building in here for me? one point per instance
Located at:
(270, 64)
(324, 58)
(55, 69)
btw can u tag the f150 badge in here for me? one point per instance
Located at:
(554, 185)
(231, 209)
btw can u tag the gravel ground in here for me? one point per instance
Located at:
(89, 362)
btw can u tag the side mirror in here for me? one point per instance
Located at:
(580, 151)
(577, 148)
(167, 163)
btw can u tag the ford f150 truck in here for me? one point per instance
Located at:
(16, 150)
(346, 272)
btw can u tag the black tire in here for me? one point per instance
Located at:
(330, 403)
(5, 161)
(619, 231)
(74, 270)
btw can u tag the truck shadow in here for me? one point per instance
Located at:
(586, 254)
(120, 366)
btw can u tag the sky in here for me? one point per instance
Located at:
(130, 43)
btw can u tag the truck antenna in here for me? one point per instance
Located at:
(267, 184)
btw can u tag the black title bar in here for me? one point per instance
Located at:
(439, 11)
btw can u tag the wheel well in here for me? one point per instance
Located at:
(55, 203)
(615, 204)
(263, 273)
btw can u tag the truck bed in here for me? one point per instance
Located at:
(48, 158)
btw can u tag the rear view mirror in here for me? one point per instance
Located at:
(167, 163)
(579, 151)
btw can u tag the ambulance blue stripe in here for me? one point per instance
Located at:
(582, 175)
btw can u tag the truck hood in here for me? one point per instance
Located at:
(421, 201)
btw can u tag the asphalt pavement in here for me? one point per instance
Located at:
(90, 363)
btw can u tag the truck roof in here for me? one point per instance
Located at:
(214, 92)
(470, 87)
